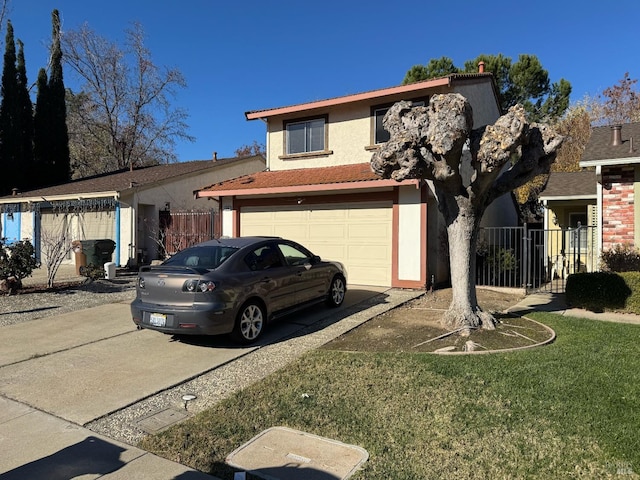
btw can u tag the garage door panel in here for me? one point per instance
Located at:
(327, 230)
(366, 253)
(358, 235)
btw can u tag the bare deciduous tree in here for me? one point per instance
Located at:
(437, 143)
(55, 246)
(123, 113)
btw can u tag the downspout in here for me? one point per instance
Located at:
(599, 205)
(267, 144)
(118, 240)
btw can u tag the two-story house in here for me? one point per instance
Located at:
(318, 188)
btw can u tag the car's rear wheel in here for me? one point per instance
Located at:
(250, 323)
(337, 290)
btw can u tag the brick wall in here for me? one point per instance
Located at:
(617, 206)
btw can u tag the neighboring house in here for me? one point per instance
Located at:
(319, 189)
(124, 206)
(613, 151)
(569, 201)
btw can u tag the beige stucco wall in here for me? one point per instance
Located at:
(138, 205)
(350, 127)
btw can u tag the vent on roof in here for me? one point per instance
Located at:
(616, 135)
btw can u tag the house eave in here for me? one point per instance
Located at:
(58, 198)
(412, 87)
(610, 162)
(568, 197)
(293, 189)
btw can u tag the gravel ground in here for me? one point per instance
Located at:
(37, 302)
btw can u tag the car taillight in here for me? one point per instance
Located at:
(141, 282)
(198, 286)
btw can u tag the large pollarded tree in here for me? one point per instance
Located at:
(433, 143)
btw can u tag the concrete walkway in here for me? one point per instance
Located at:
(556, 303)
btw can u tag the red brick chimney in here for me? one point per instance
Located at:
(481, 67)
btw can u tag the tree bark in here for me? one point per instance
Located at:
(428, 142)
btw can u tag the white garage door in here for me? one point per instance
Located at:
(358, 235)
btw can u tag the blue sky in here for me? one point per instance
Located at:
(253, 54)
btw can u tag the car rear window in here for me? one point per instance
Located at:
(209, 257)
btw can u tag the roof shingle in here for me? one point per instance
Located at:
(124, 179)
(600, 147)
(359, 172)
(571, 184)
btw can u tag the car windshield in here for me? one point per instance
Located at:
(208, 257)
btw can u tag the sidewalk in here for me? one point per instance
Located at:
(556, 303)
(55, 449)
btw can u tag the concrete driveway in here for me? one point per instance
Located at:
(84, 365)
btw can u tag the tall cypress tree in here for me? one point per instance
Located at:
(51, 139)
(41, 132)
(59, 135)
(24, 123)
(8, 114)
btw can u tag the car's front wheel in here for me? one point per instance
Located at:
(337, 291)
(250, 323)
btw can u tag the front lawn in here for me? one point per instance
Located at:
(570, 409)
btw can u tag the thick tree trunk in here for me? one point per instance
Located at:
(464, 311)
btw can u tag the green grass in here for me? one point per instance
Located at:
(567, 410)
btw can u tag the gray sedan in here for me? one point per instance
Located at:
(234, 285)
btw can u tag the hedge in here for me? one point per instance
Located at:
(602, 291)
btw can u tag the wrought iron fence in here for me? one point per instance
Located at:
(535, 259)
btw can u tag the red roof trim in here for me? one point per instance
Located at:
(437, 82)
(305, 188)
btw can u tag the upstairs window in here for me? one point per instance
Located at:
(380, 134)
(306, 136)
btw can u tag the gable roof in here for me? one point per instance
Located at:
(382, 95)
(570, 186)
(117, 182)
(601, 151)
(340, 177)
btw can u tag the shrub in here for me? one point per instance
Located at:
(632, 280)
(17, 261)
(597, 291)
(621, 258)
(93, 272)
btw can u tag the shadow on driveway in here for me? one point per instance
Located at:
(300, 323)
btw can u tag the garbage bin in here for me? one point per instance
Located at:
(80, 257)
(98, 252)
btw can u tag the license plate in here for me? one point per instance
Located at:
(158, 319)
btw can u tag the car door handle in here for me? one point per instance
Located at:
(265, 279)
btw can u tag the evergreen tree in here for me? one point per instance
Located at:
(25, 122)
(51, 139)
(8, 115)
(523, 81)
(59, 152)
(41, 131)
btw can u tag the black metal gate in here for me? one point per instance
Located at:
(535, 259)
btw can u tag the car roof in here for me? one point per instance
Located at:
(237, 242)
